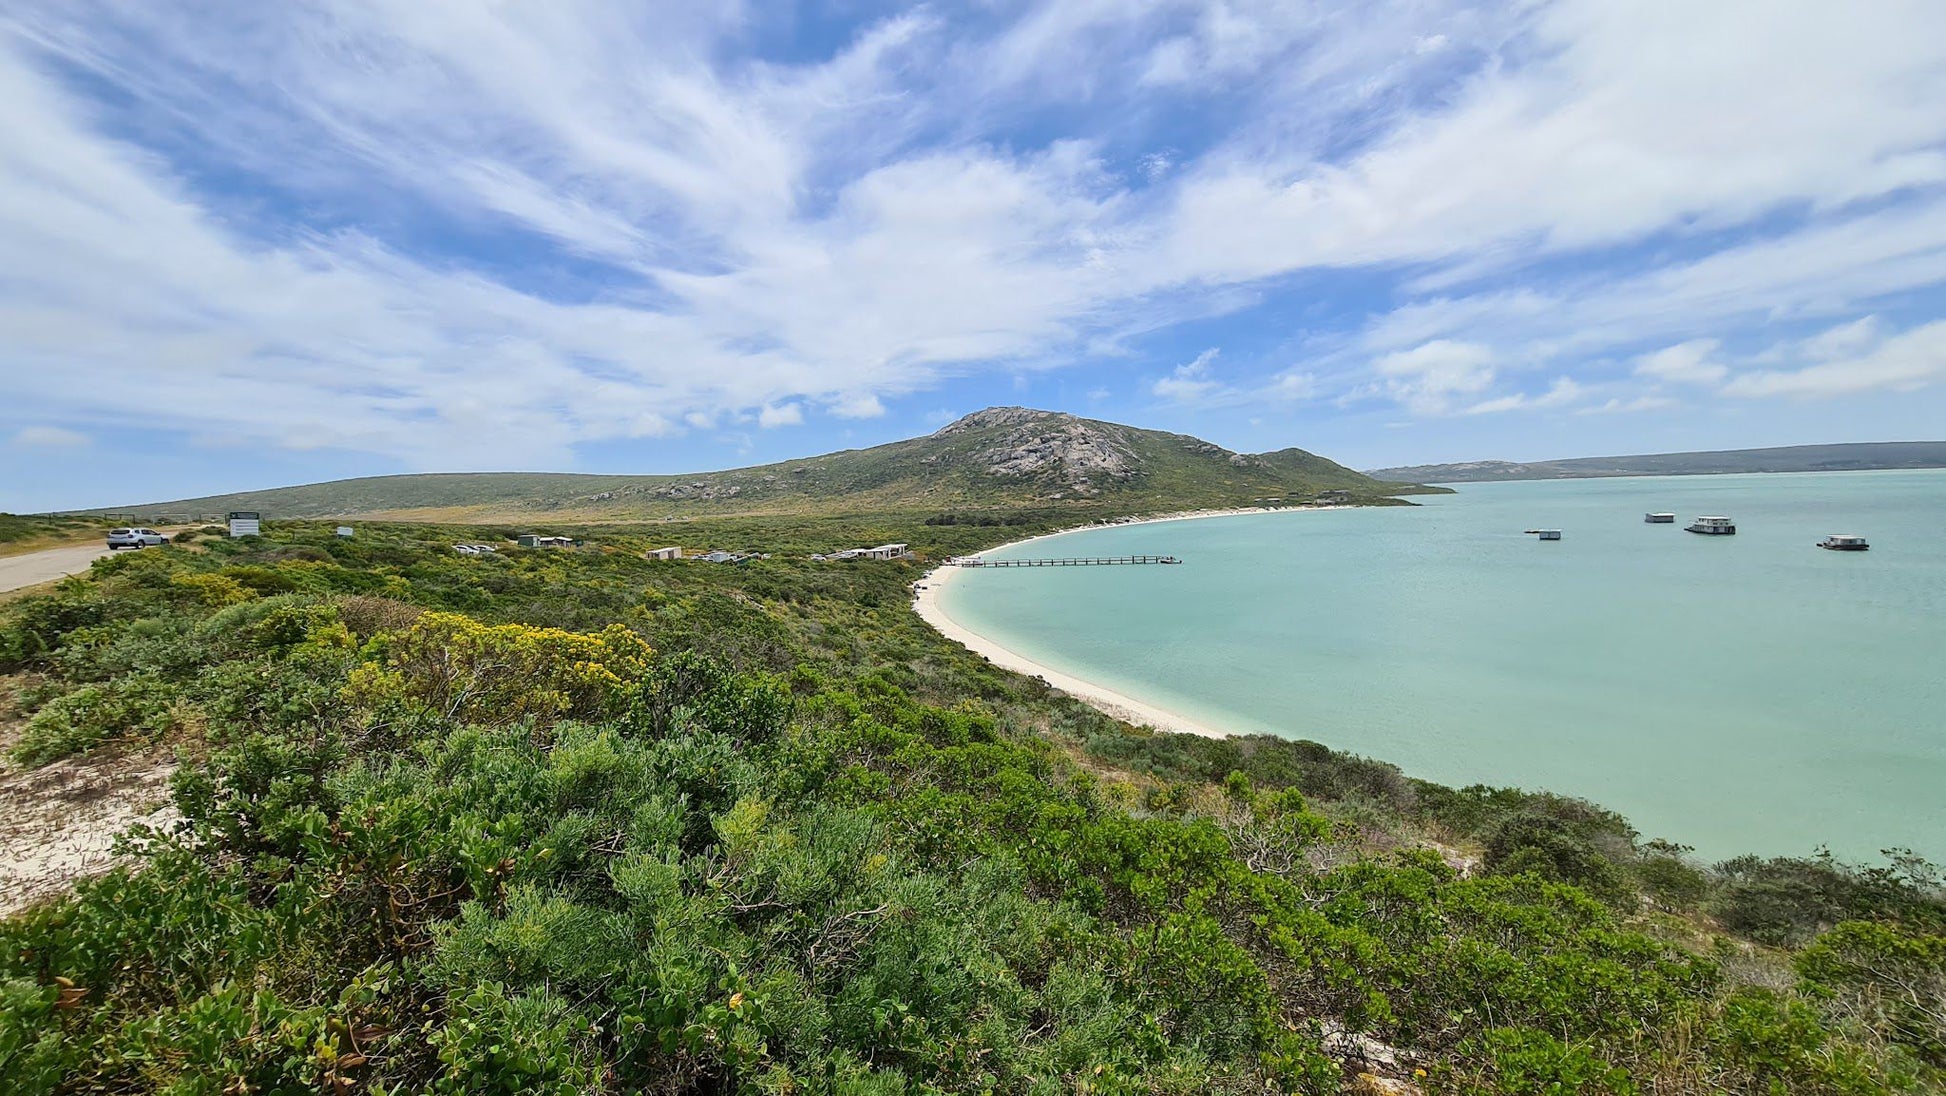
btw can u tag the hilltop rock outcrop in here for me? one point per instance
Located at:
(1073, 452)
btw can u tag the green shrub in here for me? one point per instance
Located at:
(139, 707)
(32, 1057)
(1889, 978)
(1525, 1062)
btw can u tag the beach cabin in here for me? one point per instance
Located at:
(665, 553)
(535, 540)
(245, 523)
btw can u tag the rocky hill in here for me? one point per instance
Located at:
(999, 457)
(1790, 458)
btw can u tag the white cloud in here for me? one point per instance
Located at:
(1427, 378)
(1844, 340)
(1561, 392)
(1293, 385)
(866, 406)
(1687, 363)
(789, 414)
(1620, 406)
(1904, 362)
(50, 437)
(1190, 381)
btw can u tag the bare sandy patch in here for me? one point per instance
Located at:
(58, 823)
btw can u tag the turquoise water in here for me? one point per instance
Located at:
(1739, 694)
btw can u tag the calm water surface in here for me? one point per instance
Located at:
(1738, 694)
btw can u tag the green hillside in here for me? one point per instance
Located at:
(1789, 458)
(1000, 457)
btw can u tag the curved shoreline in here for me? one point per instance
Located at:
(926, 602)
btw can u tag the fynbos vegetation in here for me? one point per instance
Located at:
(579, 822)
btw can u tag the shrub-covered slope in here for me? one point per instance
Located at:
(580, 822)
(1000, 457)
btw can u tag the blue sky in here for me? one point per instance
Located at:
(246, 244)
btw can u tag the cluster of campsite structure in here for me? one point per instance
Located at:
(883, 551)
(246, 523)
(1332, 497)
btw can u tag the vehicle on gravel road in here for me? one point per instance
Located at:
(134, 538)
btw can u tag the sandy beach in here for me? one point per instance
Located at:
(926, 602)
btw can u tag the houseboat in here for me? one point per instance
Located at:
(1844, 542)
(1659, 519)
(1546, 534)
(1716, 527)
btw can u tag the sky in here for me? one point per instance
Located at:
(247, 244)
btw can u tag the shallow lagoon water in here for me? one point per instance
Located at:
(1738, 694)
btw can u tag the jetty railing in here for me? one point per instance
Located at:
(1086, 561)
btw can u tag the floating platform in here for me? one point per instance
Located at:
(1087, 561)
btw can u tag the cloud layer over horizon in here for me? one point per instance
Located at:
(378, 234)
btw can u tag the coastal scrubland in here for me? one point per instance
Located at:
(576, 821)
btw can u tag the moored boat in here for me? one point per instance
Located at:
(1660, 519)
(1844, 542)
(1715, 527)
(1546, 534)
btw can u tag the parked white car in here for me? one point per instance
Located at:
(134, 538)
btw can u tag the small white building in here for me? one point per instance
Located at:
(665, 553)
(883, 551)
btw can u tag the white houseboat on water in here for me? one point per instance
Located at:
(1716, 527)
(1546, 534)
(1844, 542)
(1660, 519)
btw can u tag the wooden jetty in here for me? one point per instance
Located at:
(1088, 561)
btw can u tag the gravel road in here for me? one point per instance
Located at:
(35, 568)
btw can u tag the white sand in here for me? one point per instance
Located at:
(926, 602)
(58, 824)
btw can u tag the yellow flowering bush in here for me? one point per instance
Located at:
(459, 668)
(212, 591)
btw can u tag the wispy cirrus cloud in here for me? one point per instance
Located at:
(415, 229)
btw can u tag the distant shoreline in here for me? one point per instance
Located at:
(926, 602)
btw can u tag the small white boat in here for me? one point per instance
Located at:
(1844, 542)
(1713, 527)
(1660, 519)
(1546, 534)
